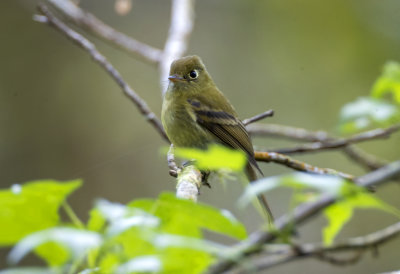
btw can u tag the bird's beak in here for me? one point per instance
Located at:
(175, 78)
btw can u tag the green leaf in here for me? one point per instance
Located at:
(122, 218)
(77, 241)
(177, 241)
(338, 215)
(96, 220)
(142, 264)
(53, 253)
(130, 229)
(298, 180)
(186, 218)
(341, 212)
(214, 158)
(167, 231)
(185, 260)
(31, 207)
(109, 263)
(170, 240)
(95, 270)
(188, 255)
(366, 113)
(388, 82)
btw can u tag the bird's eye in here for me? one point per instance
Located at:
(193, 74)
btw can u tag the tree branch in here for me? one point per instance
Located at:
(189, 182)
(258, 117)
(340, 143)
(253, 245)
(89, 22)
(297, 165)
(102, 61)
(287, 253)
(365, 159)
(299, 134)
(288, 132)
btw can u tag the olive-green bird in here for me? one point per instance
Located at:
(195, 113)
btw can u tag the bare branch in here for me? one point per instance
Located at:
(288, 253)
(89, 22)
(102, 61)
(182, 18)
(288, 132)
(299, 134)
(297, 165)
(339, 143)
(268, 113)
(188, 183)
(360, 156)
(368, 241)
(253, 245)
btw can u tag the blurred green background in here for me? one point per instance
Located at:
(62, 117)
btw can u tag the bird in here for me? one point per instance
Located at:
(195, 114)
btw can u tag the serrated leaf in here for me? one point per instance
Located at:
(77, 241)
(214, 158)
(365, 113)
(31, 207)
(388, 82)
(186, 218)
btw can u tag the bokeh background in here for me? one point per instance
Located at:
(63, 117)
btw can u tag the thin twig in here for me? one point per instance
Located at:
(253, 245)
(173, 168)
(102, 61)
(72, 216)
(340, 143)
(369, 161)
(258, 117)
(297, 165)
(182, 17)
(288, 132)
(95, 26)
(299, 134)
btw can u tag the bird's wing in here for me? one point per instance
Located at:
(226, 128)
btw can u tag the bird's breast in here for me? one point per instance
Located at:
(181, 126)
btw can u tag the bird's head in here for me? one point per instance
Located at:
(188, 73)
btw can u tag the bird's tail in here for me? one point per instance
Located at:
(252, 176)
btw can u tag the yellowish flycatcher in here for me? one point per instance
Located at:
(195, 113)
